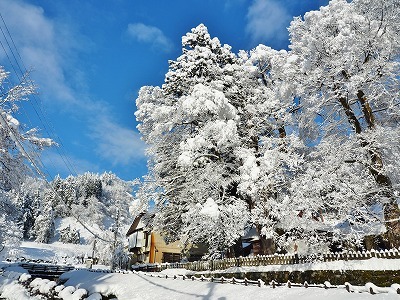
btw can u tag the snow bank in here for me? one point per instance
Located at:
(9, 287)
(176, 272)
(14, 291)
(56, 252)
(141, 286)
(339, 265)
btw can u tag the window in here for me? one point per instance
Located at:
(171, 257)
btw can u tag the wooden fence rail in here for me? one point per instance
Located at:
(277, 259)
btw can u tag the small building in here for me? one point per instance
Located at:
(147, 246)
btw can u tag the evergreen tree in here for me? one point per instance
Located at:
(44, 223)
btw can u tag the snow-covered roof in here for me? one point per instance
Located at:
(137, 224)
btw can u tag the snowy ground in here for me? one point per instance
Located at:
(340, 265)
(55, 252)
(143, 286)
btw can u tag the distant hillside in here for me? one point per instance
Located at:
(85, 209)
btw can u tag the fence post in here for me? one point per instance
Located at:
(237, 262)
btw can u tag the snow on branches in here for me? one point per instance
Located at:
(302, 142)
(15, 166)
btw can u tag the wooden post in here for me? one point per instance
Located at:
(152, 257)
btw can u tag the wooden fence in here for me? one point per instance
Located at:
(48, 271)
(277, 259)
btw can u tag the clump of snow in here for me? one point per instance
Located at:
(24, 277)
(79, 294)
(14, 291)
(210, 209)
(94, 296)
(59, 288)
(9, 287)
(66, 292)
(46, 288)
(12, 121)
(43, 286)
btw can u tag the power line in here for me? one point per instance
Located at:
(19, 79)
(40, 114)
(21, 148)
(19, 144)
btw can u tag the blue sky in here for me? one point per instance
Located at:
(89, 59)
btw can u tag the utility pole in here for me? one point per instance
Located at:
(116, 229)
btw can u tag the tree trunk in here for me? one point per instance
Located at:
(238, 248)
(391, 209)
(267, 246)
(351, 117)
(392, 213)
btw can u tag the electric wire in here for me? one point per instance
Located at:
(21, 148)
(42, 115)
(20, 80)
(24, 70)
(20, 145)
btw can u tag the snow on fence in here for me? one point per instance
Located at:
(279, 259)
(368, 287)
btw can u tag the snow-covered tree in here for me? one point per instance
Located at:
(11, 230)
(347, 76)
(191, 129)
(28, 200)
(44, 226)
(14, 162)
(290, 138)
(216, 134)
(13, 167)
(69, 235)
(270, 152)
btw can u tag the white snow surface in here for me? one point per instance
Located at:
(340, 265)
(55, 252)
(141, 286)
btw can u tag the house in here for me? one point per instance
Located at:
(147, 246)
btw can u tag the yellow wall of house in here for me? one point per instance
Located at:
(157, 246)
(162, 247)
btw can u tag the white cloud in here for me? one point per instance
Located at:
(149, 34)
(51, 48)
(43, 46)
(121, 146)
(268, 21)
